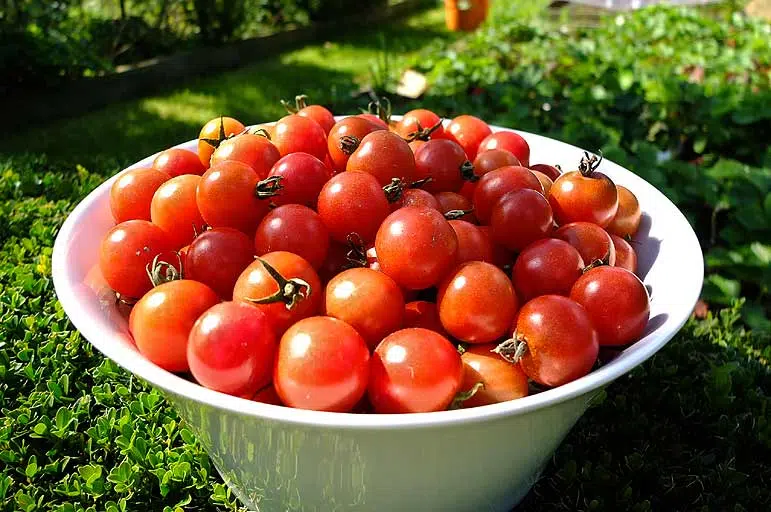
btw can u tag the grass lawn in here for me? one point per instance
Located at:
(689, 430)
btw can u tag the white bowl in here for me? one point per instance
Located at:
(487, 458)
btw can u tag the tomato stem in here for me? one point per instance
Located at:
(349, 144)
(462, 396)
(421, 133)
(420, 183)
(594, 264)
(394, 190)
(381, 107)
(589, 163)
(457, 214)
(268, 187)
(262, 132)
(160, 271)
(467, 172)
(215, 143)
(290, 291)
(357, 254)
(512, 349)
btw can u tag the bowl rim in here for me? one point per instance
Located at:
(111, 347)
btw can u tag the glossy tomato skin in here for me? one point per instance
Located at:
(493, 159)
(509, 141)
(178, 161)
(546, 182)
(384, 155)
(562, 344)
(423, 314)
(477, 303)
(546, 267)
(132, 193)
(298, 134)
(443, 161)
(495, 184)
(617, 303)
(468, 132)
(626, 257)
(626, 222)
(416, 247)
(548, 170)
(449, 201)
(217, 257)
(256, 283)
(591, 241)
(414, 370)
(502, 380)
(353, 202)
(213, 133)
(162, 319)
(174, 209)
(473, 244)
(354, 127)
(323, 364)
(575, 198)
(302, 178)
(520, 218)
(232, 348)
(367, 300)
(293, 228)
(419, 120)
(125, 252)
(253, 150)
(320, 114)
(416, 197)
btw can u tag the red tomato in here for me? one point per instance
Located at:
(549, 170)
(420, 124)
(375, 120)
(473, 245)
(416, 144)
(268, 395)
(162, 319)
(585, 195)
(495, 184)
(302, 178)
(132, 193)
(322, 364)
(501, 257)
(414, 370)
(445, 162)
(546, 182)
(415, 197)
(477, 303)
(626, 222)
(384, 155)
(353, 202)
(617, 303)
(493, 159)
(293, 228)
(626, 257)
(336, 262)
(468, 189)
(291, 292)
(345, 137)
(298, 134)
(213, 133)
(545, 267)
(453, 202)
(416, 247)
(367, 300)
(520, 218)
(592, 242)
(217, 257)
(320, 114)
(423, 314)
(510, 141)
(178, 161)
(469, 132)
(253, 150)
(232, 348)
(174, 209)
(502, 381)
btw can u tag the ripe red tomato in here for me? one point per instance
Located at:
(416, 144)
(416, 247)
(546, 182)
(217, 257)
(545, 267)
(493, 159)
(174, 209)
(228, 197)
(125, 252)
(473, 244)
(445, 162)
(509, 141)
(626, 222)
(320, 114)
(585, 195)
(367, 300)
(626, 257)
(132, 193)
(501, 257)
(384, 155)
(213, 133)
(561, 342)
(322, 364)
(353, 202)
(477, 303)
(495, 184)
(293, 228)
(423, 314)
(298, 134)
(454, 202)
(502, 381)
(375, 120)
(162, 319)
(294, 294)
(592, 242)
(415, 197)
(414, 370)
(549, 170)
(345, 136)
(232, 348)
(519, 218)
(336, 262)
(253, 150)
(178, 161)
(469, 132)
(420, 124)
(302, 178)
(617, 304)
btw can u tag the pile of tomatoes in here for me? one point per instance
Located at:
(365, 265)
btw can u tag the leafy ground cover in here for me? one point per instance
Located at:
(689, 430)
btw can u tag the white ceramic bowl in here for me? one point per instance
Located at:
(487, 458)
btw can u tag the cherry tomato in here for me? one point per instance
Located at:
(345, 136)
(420, 124)
(302, 178)
(416, 144)
(323, 364)
(125, 252)
(495, 184)
(320, 114)
(367, 300)
(477, 303)
(268, 395)
(232, 348)
(548, 170)
(293, 228)
(414, 370)
(415, 197)
(353, 202)
(548, 266)
(469, 132)
(592, 242)
(132, 193)
(626, 257)
(213, 133)
(217, 257)
(298, 134)
(416, 247)
(546, 182)
(336, 262)
(585, 195)
(493, 159)
(502, 381)
(375, 120)
(473, 244)
(423, 314)
(178, 161)
(626, 222)
(453, 202)
(294, 294)
(384, 155)
(445, 162)
(162, 319)
(510, 141)
(561, 342)
(520, 218)
(253, 150)
(174, 209)
(501, 257)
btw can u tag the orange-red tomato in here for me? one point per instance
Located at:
(174, 209)
(469, 132)
(132, 193)
(509, 141)
(626, 257)
(213, 133)
(626, 222)
(584, 197)
(253, 150)
(177, 161)
(493, 159)
(501, 380)
(384, 155)
(592, 242)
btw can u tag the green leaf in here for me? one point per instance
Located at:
(720, 289)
